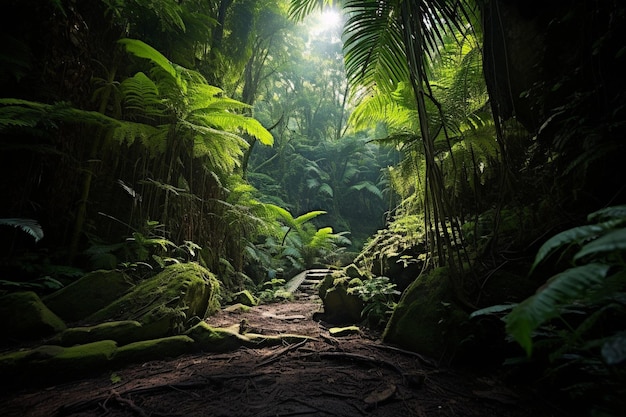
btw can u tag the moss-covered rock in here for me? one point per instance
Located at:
(50, 363)
(213, 339)
(244, 297)
(342, 307)
(353, 271)
(145, 350)
(219, 339)
(89, 294)
(25, 317)
(122, 332)
(237, 308)
(164, 303)
(426, 319)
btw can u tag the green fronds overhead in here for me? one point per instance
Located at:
(373, 47)
(299, 9)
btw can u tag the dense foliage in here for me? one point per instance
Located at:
(450, 138)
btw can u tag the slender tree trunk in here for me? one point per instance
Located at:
(81, 212)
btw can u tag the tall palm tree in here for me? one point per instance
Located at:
(387, 42)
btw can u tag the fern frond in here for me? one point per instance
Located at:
(29, 226)
(576, 235)
(300, 220)
(141, 94)
(543, 306)
(614, 241)
(143, 50)
(369, 187)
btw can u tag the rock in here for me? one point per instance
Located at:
(218, 339)
(49, 363)
(213, 339)
(122, 332)
(244, 297)
(165, 302)
(426, 320)
(166, 347)
(341, 307)
(237, 308)
(89, 294)
(25, 317)
(353, 271)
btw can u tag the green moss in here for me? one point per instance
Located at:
(123, 332)
(355, 282)
(344, 331)
(353, 271)
(89, 294)
(244, 297)
(213, 339)
(237, 308)
(154, 349)
(25, 317)
(165, 302)
(426, 319)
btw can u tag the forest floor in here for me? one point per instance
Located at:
(353, 375)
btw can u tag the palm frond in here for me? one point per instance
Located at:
(374, 51)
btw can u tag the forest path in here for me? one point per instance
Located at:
(350, 375)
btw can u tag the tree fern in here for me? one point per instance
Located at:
(142, 94)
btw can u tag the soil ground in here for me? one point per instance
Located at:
(353, 375)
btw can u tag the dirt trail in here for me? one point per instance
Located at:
(352, 375)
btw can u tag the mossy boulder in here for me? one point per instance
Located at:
(50, 363)
(244, 297)
(165, 302)
(26, 317)
(426, 319)
(342, 307)
(122, 332)
(89, 294)
(145, 350)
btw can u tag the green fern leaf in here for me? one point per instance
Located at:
(368, 186)
(608, 213)
(29, 226)
(614, 241)
(143, 50)
(562, 288)
(308, 216)
(570, 236)
(326, 189)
